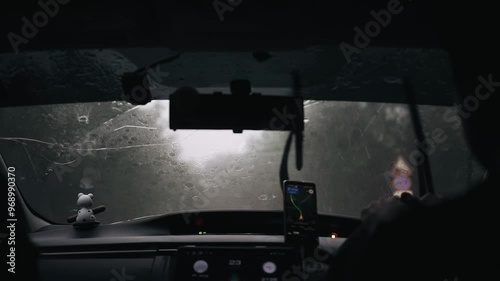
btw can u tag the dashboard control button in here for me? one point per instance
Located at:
(269, 267)
(200, 266)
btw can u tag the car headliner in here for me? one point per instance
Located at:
(305, 32)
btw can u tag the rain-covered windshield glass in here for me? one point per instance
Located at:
(135, 165)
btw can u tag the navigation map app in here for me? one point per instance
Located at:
(300, 207)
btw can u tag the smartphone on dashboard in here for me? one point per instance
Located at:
(301, 214)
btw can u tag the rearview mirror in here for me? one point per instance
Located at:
(237, 111)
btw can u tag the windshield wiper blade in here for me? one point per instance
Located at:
(284, 160)
(299, 135)
(424, 170)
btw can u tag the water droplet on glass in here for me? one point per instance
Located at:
(83, 119)
(238, 168)
(171, 154)
(176, 145)
(211, 192)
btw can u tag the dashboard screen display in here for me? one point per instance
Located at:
(301, 216)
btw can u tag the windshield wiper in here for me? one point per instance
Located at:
(284, 160)
(299, 134)
(299, 137)
(424, 170)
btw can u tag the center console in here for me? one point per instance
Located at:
(242, 264)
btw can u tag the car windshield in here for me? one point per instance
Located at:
(132, 162)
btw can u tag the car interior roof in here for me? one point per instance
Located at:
(283, 28)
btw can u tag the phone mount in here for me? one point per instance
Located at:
(300, 214)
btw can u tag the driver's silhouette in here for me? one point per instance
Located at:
(429, 239)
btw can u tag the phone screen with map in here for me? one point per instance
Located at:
(301, 215)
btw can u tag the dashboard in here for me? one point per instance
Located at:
(173, 248)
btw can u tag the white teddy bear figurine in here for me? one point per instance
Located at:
(85, 214)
